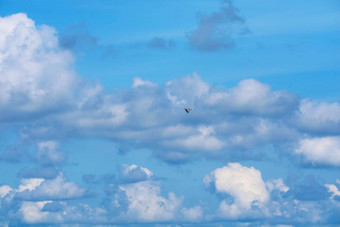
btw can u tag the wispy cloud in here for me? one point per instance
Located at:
(161, 43)
(218, 30)
(76, 36)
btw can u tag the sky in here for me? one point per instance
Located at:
(93, 130)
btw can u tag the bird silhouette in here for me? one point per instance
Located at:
(187, 110)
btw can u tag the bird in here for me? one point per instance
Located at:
(187, 110)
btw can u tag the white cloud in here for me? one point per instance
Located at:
(252, 96)
(333, 190)
(202, 140)
(319, 117)
(35, 74)
(4, 190)
(48, 153)
(244, 184)
(194, 214)
(29, 184)
(276, 184)
(320, 151)
(147, 205)
(35, 213)
(31, 212)
(55, 189)
(186, 91)
(139, 82)
(134, 173)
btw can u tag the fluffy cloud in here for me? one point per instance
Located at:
(276, 184)
(333, 189)
(194, 214)
(40, 201)
(45, 212)
(4, 190)
(217, 30)
(320, 151)
(36, 76)
(48, 153)
(147, 205)
(38, 189)
(147, 115)
(319, 117)
(251, 198)
(32, 214)
(251, 96)
(244, 184)
(134, 173)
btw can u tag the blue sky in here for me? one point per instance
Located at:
(93, 127)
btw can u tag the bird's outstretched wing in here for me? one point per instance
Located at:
(187, 110)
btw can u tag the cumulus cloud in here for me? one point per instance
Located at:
(41, 201)
(194, 214)
(320, 150)
(134, 173)
(45, 212)
(140, 82)
(245, 185)
(319, 117)
(247, 197)
(276, 184)
(31, 212)
(48, 153)
(152, 116)
(147, 205)
(36, 76)
(255, 97)
(218, 30)
(56, 189)
(4, 190)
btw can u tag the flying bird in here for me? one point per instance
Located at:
(187, 110)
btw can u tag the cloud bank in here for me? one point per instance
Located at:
(38, 83)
